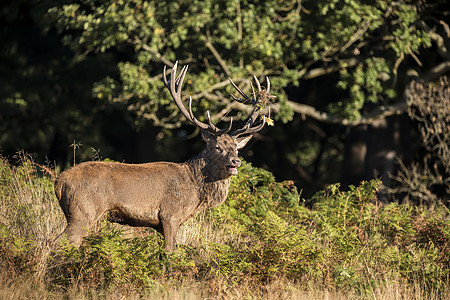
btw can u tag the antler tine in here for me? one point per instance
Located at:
(226, 130)
(249, 130)
(197, 122)
(257, 83)
(239, 91)
(165, 77)
(237, 99)
(180, 78)
(174, 87)
(254, 94)
(219, 131)
(211, 128)
(249, 123)
(210, 122)
(259, 99)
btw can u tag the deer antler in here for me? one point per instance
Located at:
(174, 86)
(258, 101)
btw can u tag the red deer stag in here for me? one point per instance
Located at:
(162, 195)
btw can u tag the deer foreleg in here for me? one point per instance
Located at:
(170, 228)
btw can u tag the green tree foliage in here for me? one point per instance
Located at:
(364, 43)
(44, 94)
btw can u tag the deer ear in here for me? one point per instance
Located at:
(241, 142)
(206, 135)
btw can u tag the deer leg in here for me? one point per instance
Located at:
(74, 233)
(170, 228)
(78, 224)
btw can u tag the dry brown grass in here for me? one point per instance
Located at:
(29, 206)
(33, 288)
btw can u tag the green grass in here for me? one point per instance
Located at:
(265, 242)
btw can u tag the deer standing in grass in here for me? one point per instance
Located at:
(162, 195)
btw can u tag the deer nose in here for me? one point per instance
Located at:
(236, 162)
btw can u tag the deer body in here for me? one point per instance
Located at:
(162, 195)
(159, 195)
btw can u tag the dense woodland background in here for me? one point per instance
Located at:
(362, 92)
(360, 85)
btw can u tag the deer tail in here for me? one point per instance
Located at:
(58, 189)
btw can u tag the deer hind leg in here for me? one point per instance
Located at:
(74, 233)
(78, 225)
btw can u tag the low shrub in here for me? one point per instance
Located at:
(264, 233)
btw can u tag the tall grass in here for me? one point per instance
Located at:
(263, 243)
(28, 206)
(29, 213)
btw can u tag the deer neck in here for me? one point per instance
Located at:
(213, 190)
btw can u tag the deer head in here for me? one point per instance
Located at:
(221, 152)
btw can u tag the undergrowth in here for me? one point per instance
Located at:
(341, 242)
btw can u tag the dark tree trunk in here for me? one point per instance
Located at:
(371, 150)
(58, 149)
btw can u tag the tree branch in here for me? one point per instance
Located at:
(216, 54)
(377, 114)
(138, 41)
(440, 42)
(436, 71)
(356, 36)
(214, 87)
(313, 73)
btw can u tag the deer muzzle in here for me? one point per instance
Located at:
(232, 169)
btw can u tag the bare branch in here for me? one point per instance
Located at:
(317, 72)
(356, 36)
(138, 41)
(216, 54)
(440, 42)
(239, 28)
(214, 87)
(436, 71)
(377, 114)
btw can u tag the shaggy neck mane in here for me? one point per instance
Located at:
(213, 189)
